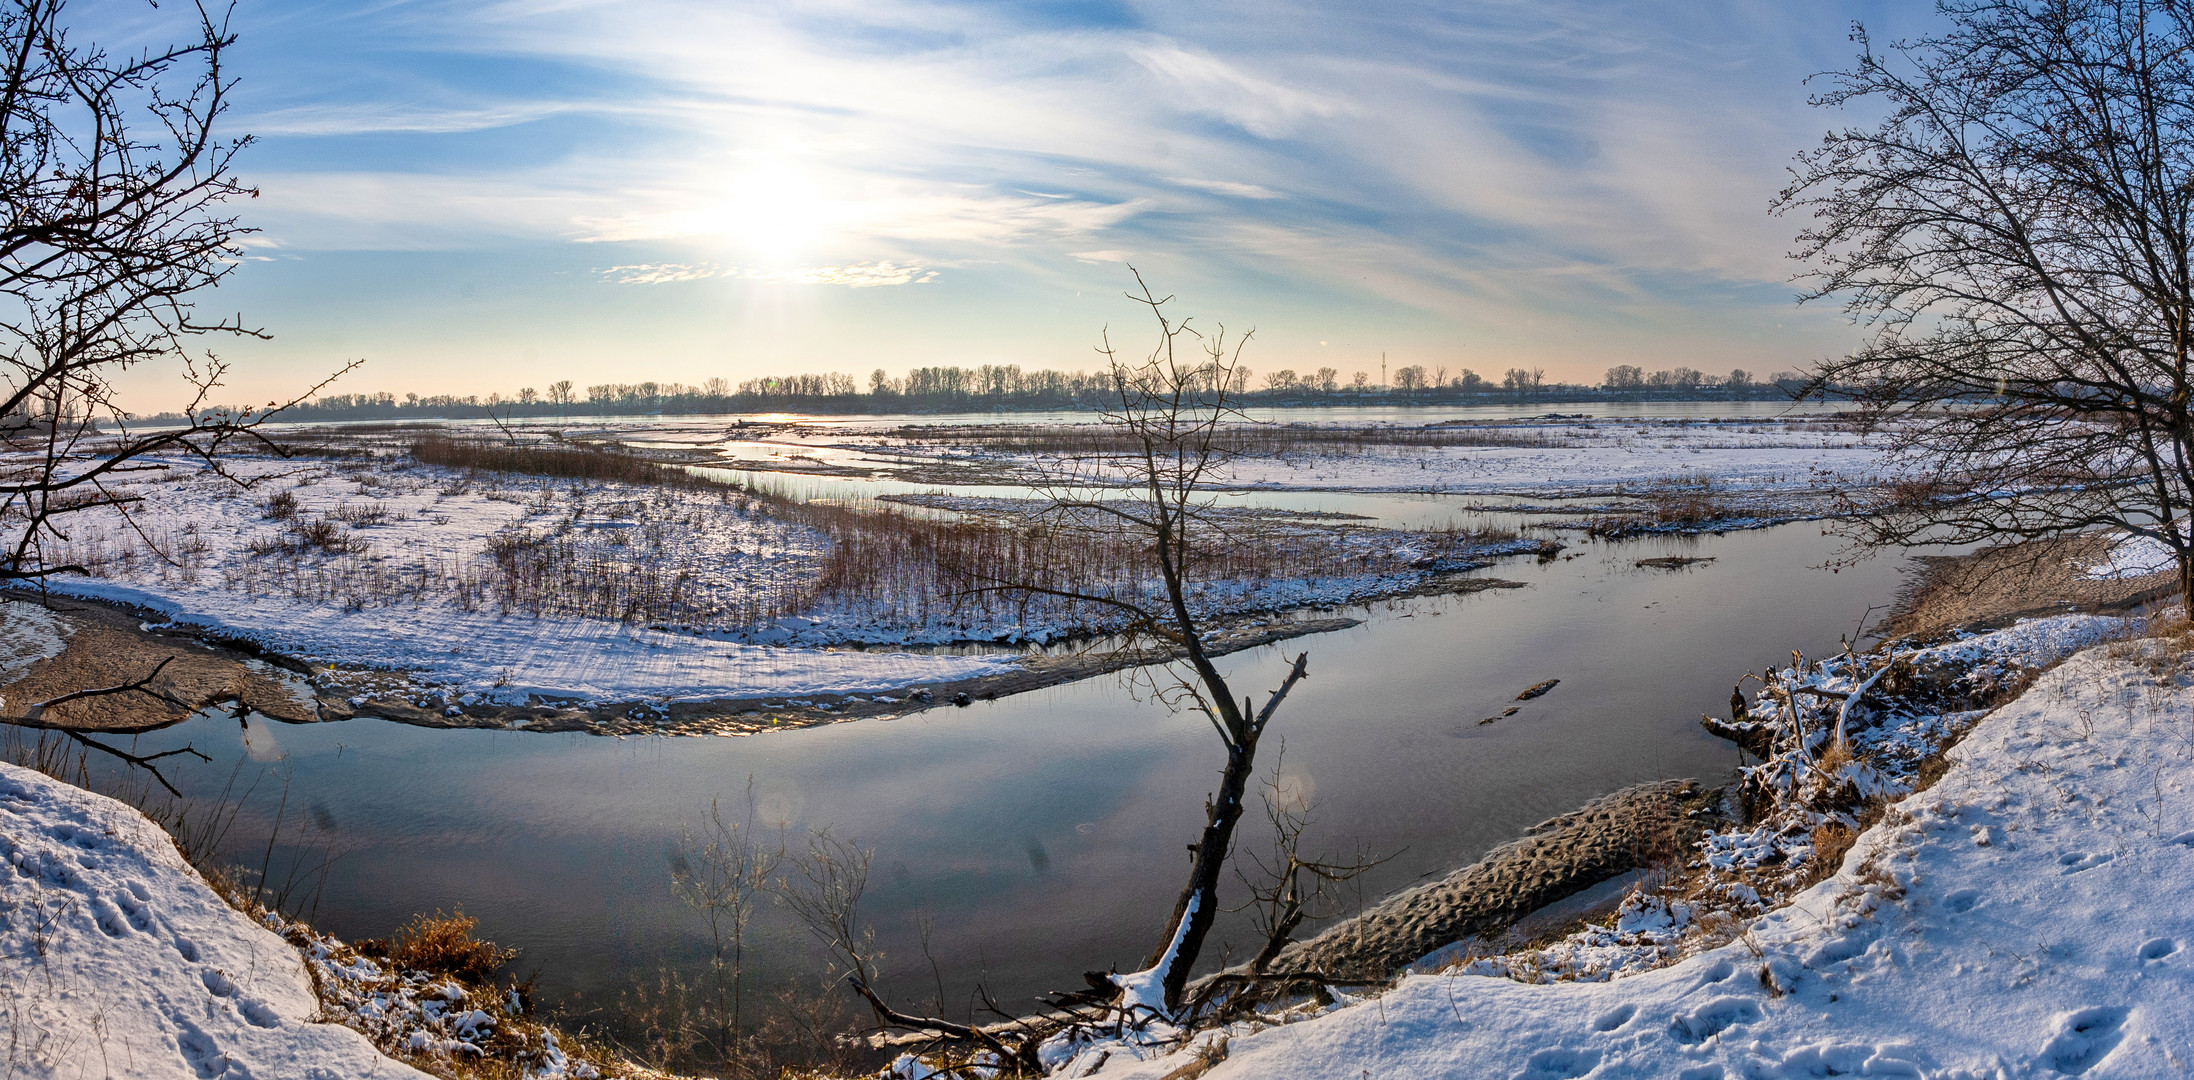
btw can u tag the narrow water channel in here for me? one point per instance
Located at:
(1044, 834)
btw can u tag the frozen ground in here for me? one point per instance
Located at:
(1569, 457)
(2131, 557)
(117, 960)
(512, 588)
(2028, 915)
(409, 581)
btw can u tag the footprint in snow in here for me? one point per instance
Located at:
(2088, 1036)
(2158, 948)
(1559, 1063)
(1712, 1019)
(2076, 861)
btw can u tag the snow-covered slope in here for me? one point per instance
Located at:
(2032, 914)
(117, 960)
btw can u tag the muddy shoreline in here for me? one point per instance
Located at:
(1997, 586)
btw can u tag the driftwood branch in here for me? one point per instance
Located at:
(37, 710)
(945, 1029)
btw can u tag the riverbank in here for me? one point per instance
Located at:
(66, 644)
(118, 959)
(1998, 585)
(2027, 913)
(1040, 831)
(1821, 981)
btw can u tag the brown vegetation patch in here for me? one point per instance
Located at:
(1997, 586)
(109, 647)
(441, 944)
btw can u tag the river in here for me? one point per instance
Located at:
(1044, 834)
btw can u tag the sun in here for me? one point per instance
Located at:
(775, 212)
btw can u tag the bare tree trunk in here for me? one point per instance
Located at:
(1199, 902)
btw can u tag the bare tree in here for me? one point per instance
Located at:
(112, 179)
(112, 182)
(1174, 404)
(2017, 235)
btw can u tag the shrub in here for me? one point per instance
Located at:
(443, 945)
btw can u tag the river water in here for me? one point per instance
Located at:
(1045, 833)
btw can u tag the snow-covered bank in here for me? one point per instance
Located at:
(396, 582)
(509, 589)
(117, 960)
(2027, 915)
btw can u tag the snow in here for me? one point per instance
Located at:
(28, 634)
(427, 524)
(2130, 557)
(1567, 456)
(504, 587)
(2028, 915)
(1145, 990)
(430, 1014)
(117, 960)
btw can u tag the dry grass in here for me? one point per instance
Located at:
(917, 570)
(441, 944)
(568, 462)
(621, 542)
(1241, 440)
(1674, 505)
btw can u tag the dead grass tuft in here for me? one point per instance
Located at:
(441, 944)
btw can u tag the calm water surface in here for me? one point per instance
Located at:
(1045, 833)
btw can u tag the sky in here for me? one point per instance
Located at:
(474, 197)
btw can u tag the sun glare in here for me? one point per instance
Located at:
(776, 212)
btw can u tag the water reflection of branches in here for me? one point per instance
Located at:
(723, 873)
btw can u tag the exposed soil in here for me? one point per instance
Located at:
(1636, 827)
(106, 646)
(1996, 586)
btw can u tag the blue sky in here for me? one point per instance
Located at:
(475, 197)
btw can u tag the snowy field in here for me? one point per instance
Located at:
(393, 565)
(2027, 915)
(1549, 458)
(504, 588)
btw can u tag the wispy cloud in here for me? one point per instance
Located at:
(1492, 164)
(371, 118)
(1227, 187)
(858, 276)
(1207, 84)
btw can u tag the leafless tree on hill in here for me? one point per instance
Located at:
(2017, 237)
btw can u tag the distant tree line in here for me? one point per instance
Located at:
(1010, 387)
